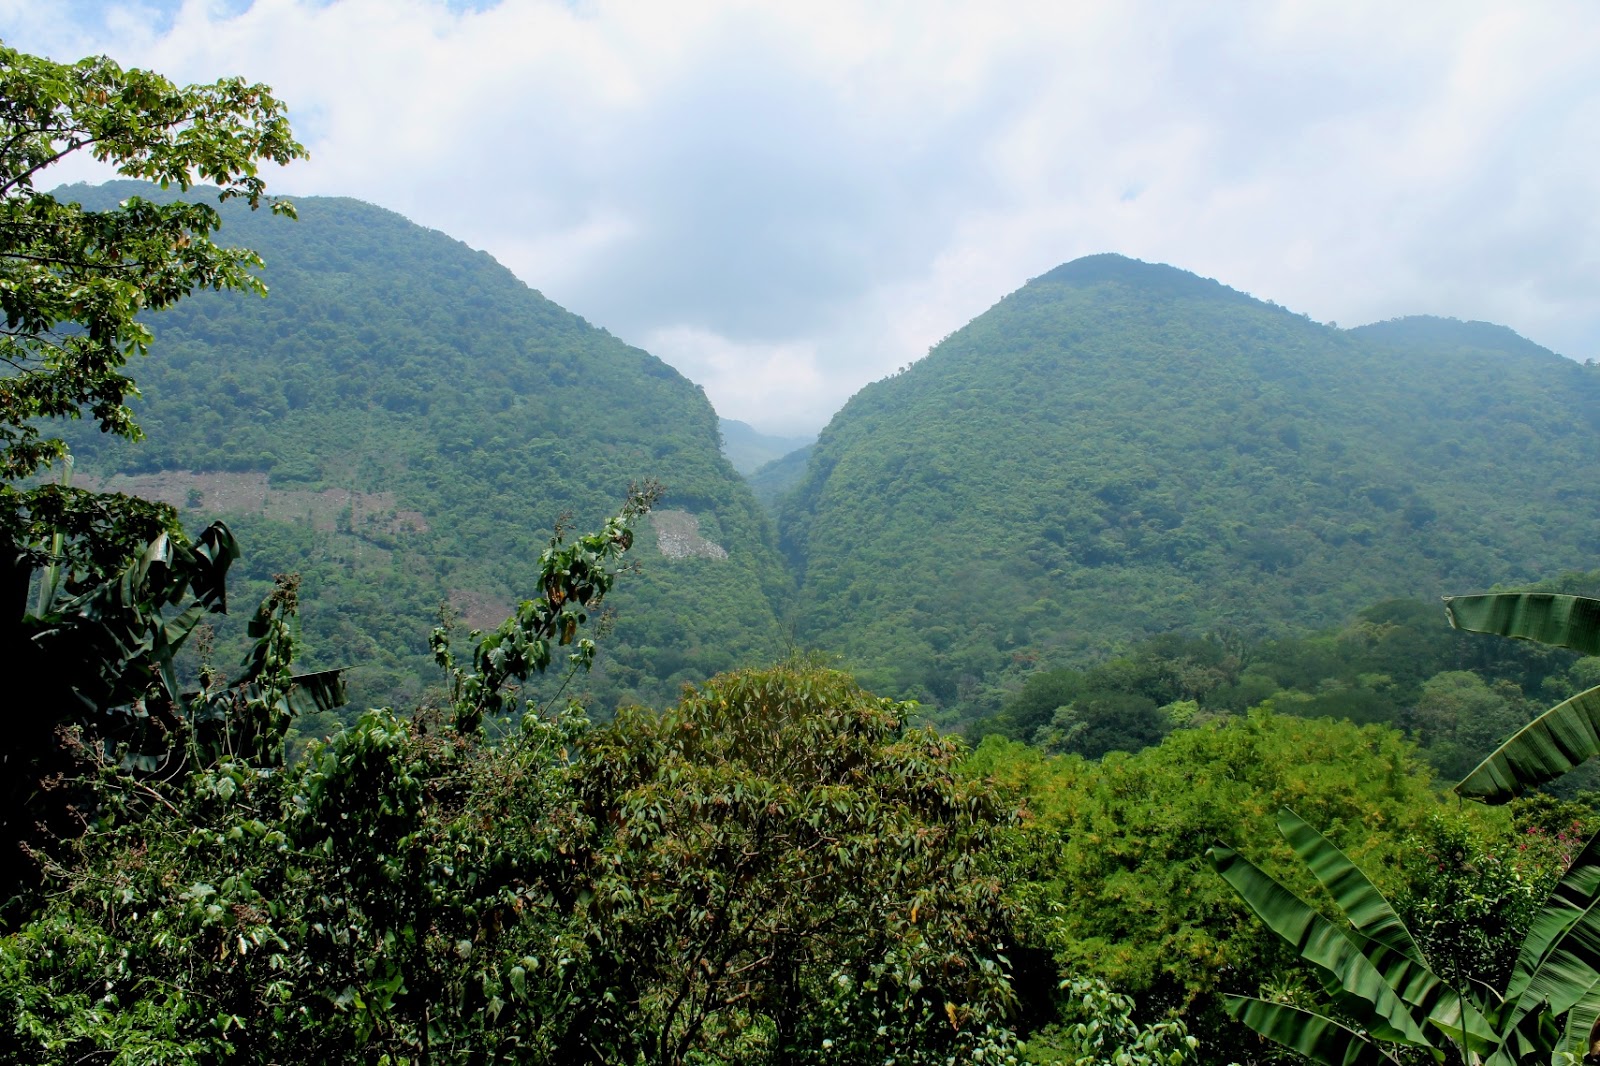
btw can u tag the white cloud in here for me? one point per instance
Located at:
(740, 376)
(787, 201)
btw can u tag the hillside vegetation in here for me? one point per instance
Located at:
(1121, 448)
(403, 422)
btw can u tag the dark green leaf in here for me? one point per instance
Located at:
(1547, 747)
(1565, 621)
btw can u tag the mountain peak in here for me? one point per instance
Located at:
(1117, 426)
(1112, 268)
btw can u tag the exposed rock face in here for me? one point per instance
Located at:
(678, 537)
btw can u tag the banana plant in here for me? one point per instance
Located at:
(104, 658)
(1565, 735)
(1383, 993)
(95, 685)
(249, 717)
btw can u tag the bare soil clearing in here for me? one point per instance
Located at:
(218, 492)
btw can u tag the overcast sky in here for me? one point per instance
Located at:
(789, 200)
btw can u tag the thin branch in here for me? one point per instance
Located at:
(25, 176)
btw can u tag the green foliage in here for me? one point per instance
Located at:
(406, 424)
(785, 862)
(249, 717)
(1098, 1030)
(1119, 704)
(1565, 736)
(1511, 965)
(1394, 665)
(74, 280)
(1114, 881)
(1093, 726)
(1118, 449)
(100, 643)
(1470, 898)
(779, 870)
(576, 577)
(1458, 717)
(101, 687)
(108, 705)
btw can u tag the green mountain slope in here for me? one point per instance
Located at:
(1121, 448)
(403, 421)
(776, 479)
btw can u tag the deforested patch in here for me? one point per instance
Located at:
(678, 537)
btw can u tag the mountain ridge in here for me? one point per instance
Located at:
(1165, 452)
(1114, 449)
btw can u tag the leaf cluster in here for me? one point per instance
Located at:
(1393, 664)
(1112, 874)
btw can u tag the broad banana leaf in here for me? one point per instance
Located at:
(1533, 1040)
(1357, 897)
(1561, 738)
(1357, 985)
(320, 691)
(1565, 621)
(1583, 1021)
(218, 549)
(1318, 1038)
(1383, 938)
(1559, 963)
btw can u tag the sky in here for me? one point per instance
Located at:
(787, 201)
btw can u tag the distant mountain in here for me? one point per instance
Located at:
(748, 449)
(403, 422)
(778, 478)
(1119, 448)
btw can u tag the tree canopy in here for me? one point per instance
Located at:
(781, 869)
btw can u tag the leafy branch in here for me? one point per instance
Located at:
(574, 577)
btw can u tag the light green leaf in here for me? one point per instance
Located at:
(1357, 985)
(1357, 897)
(1560, 959)
(1383, 939)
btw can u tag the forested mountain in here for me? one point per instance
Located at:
(404, 421)
(779, 866)
(1121, 448)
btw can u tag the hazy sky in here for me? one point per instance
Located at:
(788, 200)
